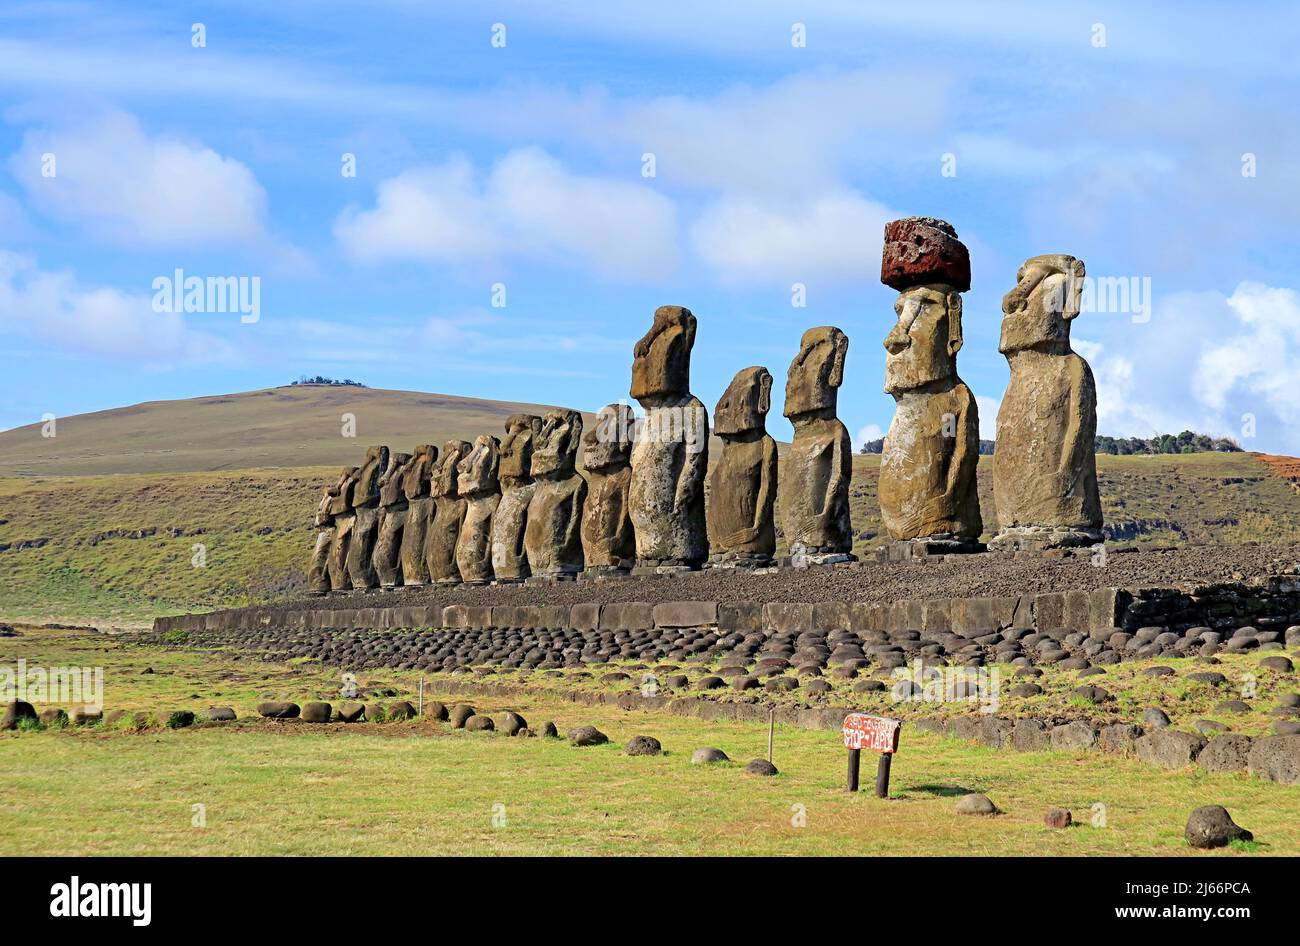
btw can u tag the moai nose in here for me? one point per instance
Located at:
(897, 340)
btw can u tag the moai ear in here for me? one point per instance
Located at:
(575, 432)
(1073, 289)
(764, 391)
(689, 332)
(954, 323)
(841, 343)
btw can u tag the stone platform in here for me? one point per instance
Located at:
(1271, 602)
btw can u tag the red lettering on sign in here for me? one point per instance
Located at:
(873, 733)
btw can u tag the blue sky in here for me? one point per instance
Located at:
(1158, 145)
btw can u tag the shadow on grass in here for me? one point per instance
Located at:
(942, 791)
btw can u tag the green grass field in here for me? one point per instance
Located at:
(422, 788)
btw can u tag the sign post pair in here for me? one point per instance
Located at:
(874, 733)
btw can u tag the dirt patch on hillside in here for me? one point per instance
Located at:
(1287, 468)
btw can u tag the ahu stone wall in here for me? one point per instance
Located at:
(1268, 603)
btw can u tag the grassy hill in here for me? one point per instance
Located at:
(101, 523)
(277, 427)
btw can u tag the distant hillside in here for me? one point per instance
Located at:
(292, 426)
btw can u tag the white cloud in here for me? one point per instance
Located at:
(834, 236)
(128, 185)
(866, 434)
(51, 307)
(474, 339)
(434, 213)
(1204, 362)
(793, 137)
(529, 206)
(1258, 362)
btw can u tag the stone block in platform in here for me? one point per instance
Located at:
(787, 616)
(627, 615)
(585, 617)
(685, 614)
(831, 615)
(742, 616)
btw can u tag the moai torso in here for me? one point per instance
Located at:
(671, 450)
(607, 538)
(509, 559)
(341, 513)
(742, 481)
(927, 483)
(448, 515)
(392, 521)
(365, 530)
(554, 533)
(318, 576)
(419, 514)
(819, 463)
(1044, 465)
(476, 479)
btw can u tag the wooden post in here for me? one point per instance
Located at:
(855, 761)
(421, 713)
(882, 775)
(771, 727)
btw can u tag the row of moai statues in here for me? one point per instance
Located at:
(1044, 461)
(516, 509)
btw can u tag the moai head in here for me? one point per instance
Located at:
(608, 444)
(922, 347)
(365, 489)
(517, 447)
(390, 481)
(556, 451)
(930, 268)
(477, 470)
(342, 491)
(661, 361)
(744, 405)
(416, 476)
(443, 482)
(329, 501)
(1037, 313)
(816, 372)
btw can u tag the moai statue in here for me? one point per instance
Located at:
(476, 480)
(670, 453)
(742, 483)
(928, 500)
(819, 463)
(448, 515)
(392, 521)
(554, 534)
(509, 560)
(419, 514)
(608, 543)
(318, 575)
(1045, 463)
(365, 531)
(344, 518)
